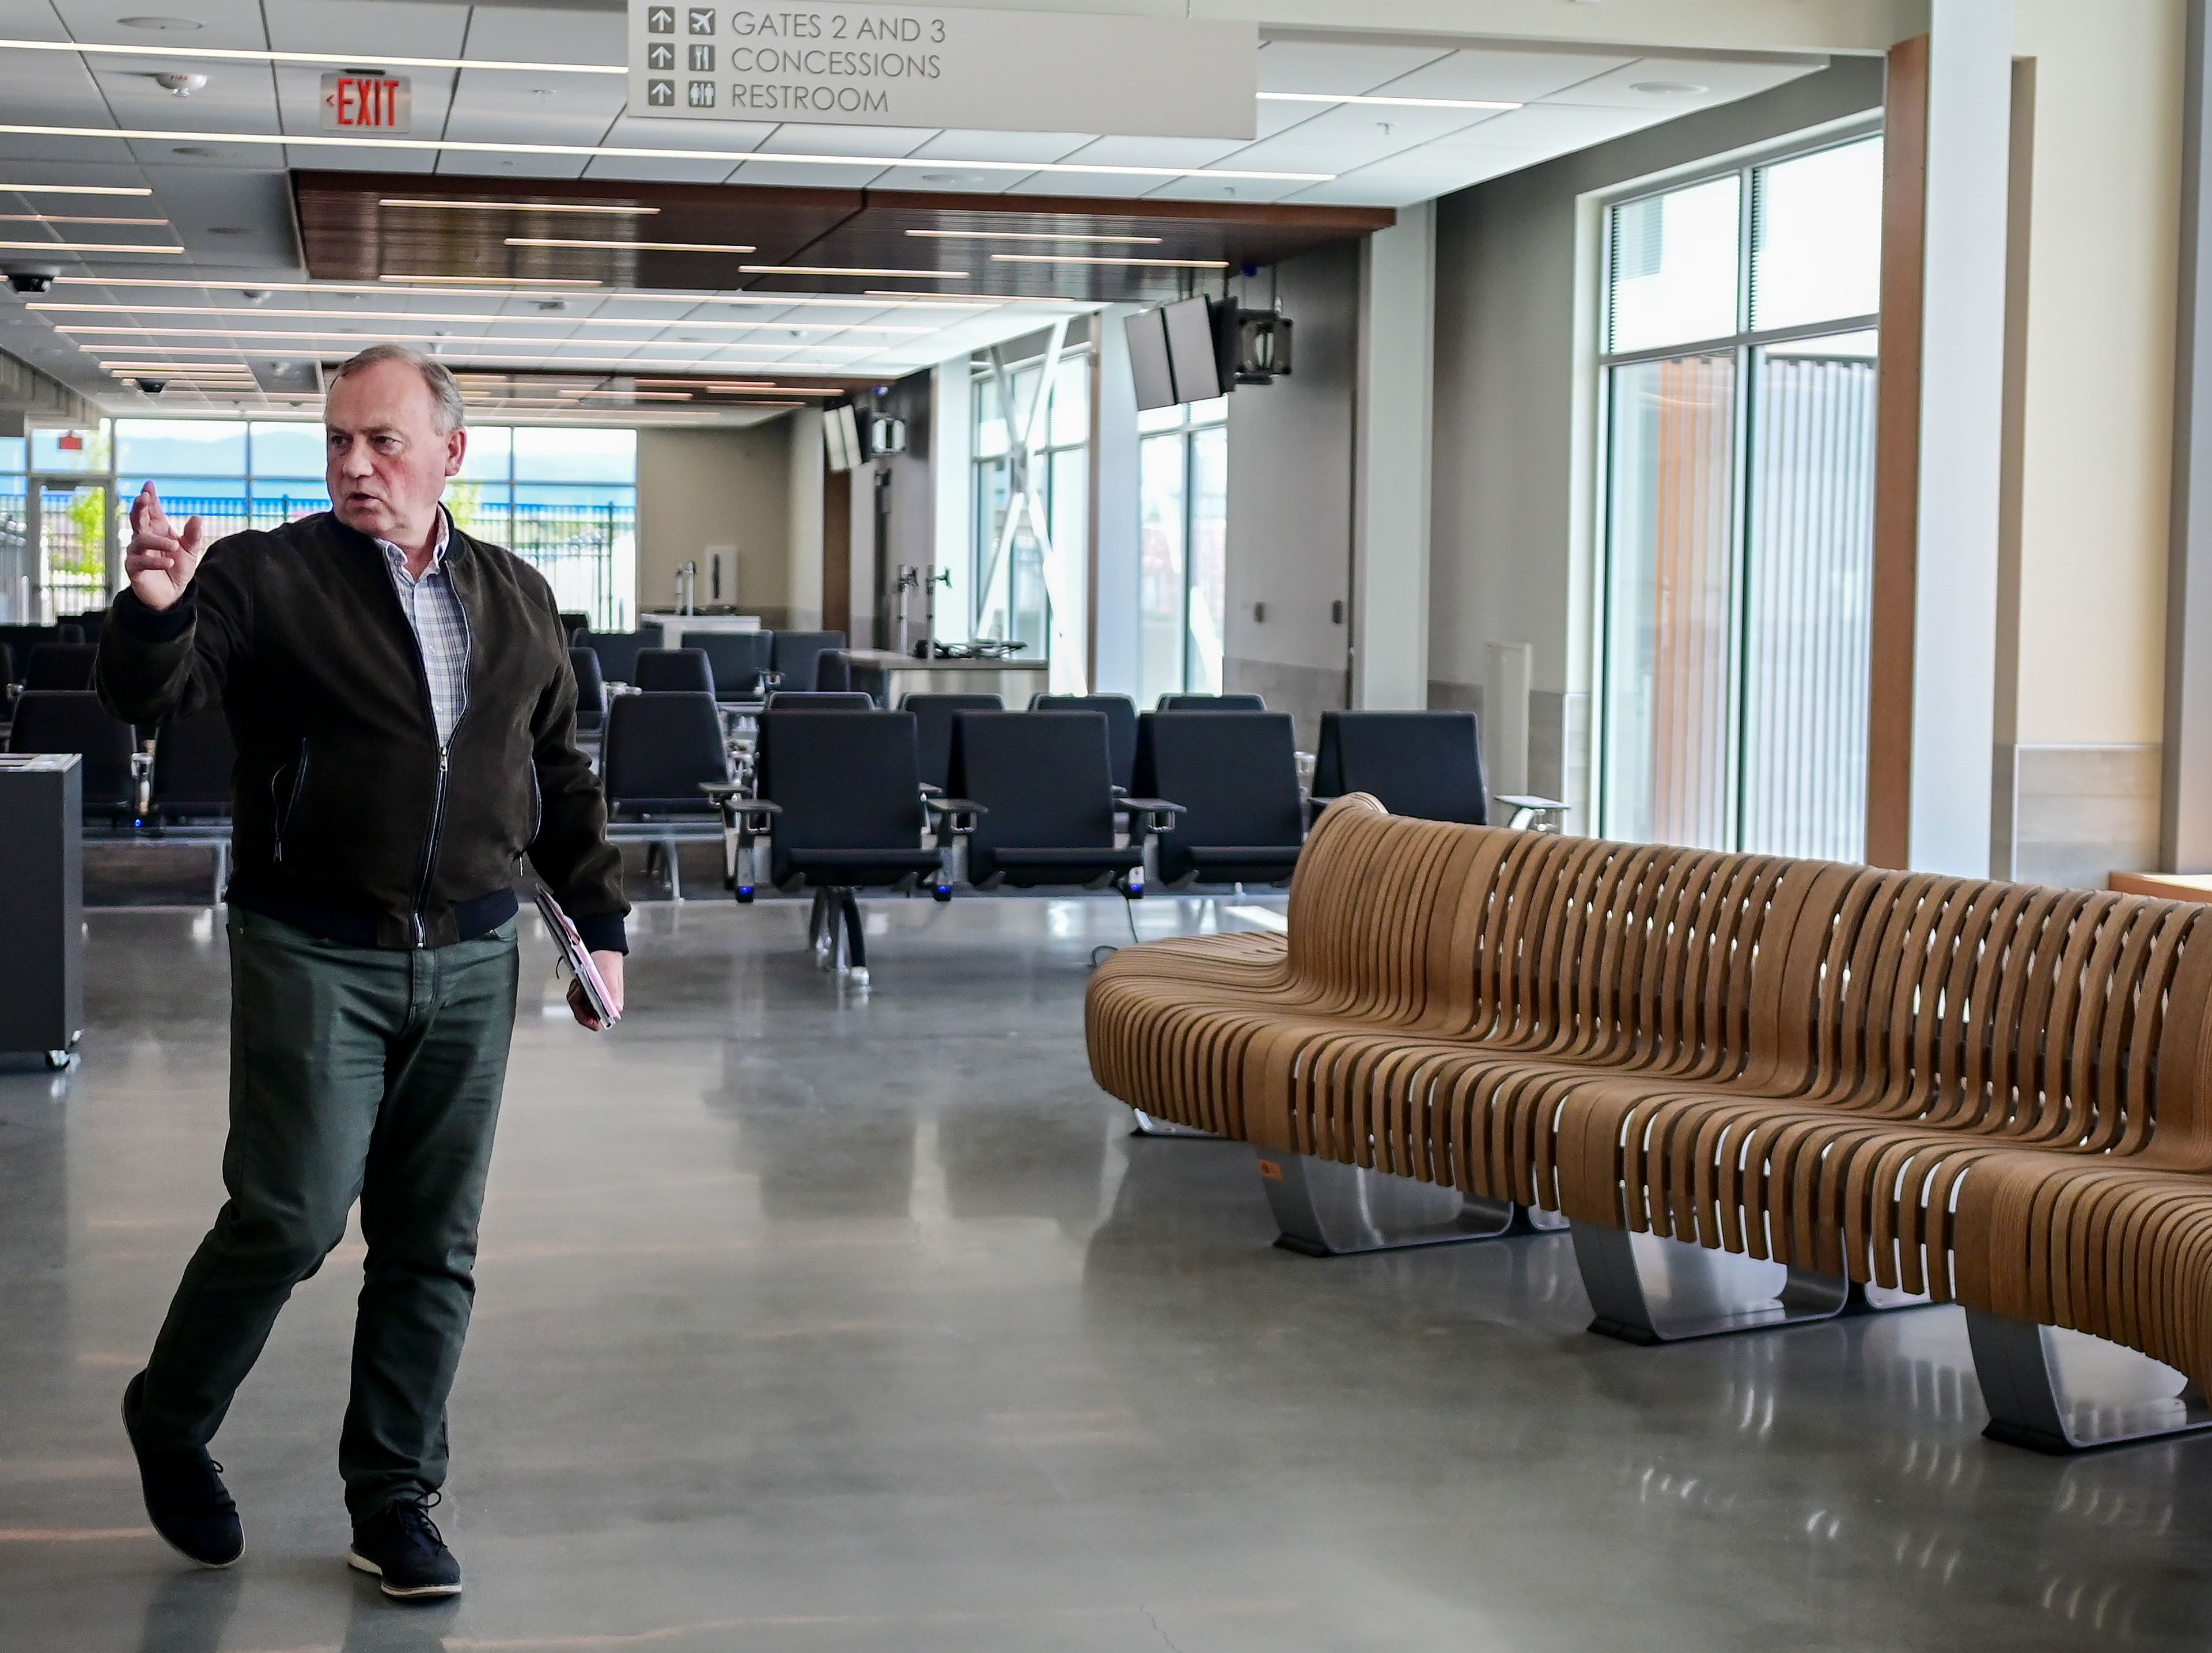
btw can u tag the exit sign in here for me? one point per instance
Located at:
(360, 102)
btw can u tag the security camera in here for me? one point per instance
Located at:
(30, 280)
(153, 386)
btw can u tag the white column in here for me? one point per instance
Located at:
(1961, 421)
(1114, 502)
(951, 443)
(803, 556)
(1390, 466)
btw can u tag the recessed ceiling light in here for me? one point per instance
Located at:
(952, 177)
(196, 151)
(160, 25)
(1078, 257)
(83, 246)
(254, 55)
(850, 269)
(1386, 101)
(1033, 235)
(76, 189)
(642, 247)
(524, 206)
(228, 229)
(624, 152)
(1668, 88)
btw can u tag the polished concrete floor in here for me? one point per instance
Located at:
(814, 1319)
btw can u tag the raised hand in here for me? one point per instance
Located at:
(160, 562)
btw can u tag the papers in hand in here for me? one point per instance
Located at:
(578, 958)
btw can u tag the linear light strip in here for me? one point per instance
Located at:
(848, 269)
(83, 246)
(641, 246)
(509, 359)
(70, 218)
(432, 315)
(495, 281)
(77, 189)
(442, 338)
(241, 54)
(1032, 235)
(1078, 257)
(524, 206)
(1386, 101)
(734, 157)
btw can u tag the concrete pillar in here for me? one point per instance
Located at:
(1961, 447)
(1114, 508)
(2185, 835)
(1390, 464)
(951, 443)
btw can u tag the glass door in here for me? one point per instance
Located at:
(72, 529)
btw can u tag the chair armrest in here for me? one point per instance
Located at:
(1158, 813)
(1529, 800)
(930, 790)
(748, 817)
(957, 815)
(1526, 808)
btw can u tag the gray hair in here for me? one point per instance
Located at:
(451, 415)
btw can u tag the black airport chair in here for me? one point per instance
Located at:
(193, 762)
(833, 672)
(1041, 786)
(89, 622)
(590, 690)
(22, 639)
(839, 801)
(1212, 704)
(818, 700)
(739, 660)
(933, 727)
(1120, 713)
(63, 666)
(674, 671)
(659, 751)
(64, 720)
(1236, 774)
(574, 621)
(617, 650)
(7, 665)
(796, 658)
(1425, 764)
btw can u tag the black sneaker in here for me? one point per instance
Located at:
(185, 1499)
(402, 1546)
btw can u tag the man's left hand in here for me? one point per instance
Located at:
(610, 972)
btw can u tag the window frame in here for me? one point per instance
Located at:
(982, 380)
(1743, 345)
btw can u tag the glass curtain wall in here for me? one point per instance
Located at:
(562, 497)
(1739, 381)
(1183, 515)
(1012, 600)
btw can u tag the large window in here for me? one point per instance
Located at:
(1011, 581)
(1182, 476)
(564, 498)
(1739, 381)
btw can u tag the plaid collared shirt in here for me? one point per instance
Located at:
(442, 629)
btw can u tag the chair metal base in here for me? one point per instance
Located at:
(1325, 1209)
(2056, 1391)
(1649, 1289)
(1147, 1126)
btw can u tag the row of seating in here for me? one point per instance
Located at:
(48, 666)
(1897, 1085)
(732, 666)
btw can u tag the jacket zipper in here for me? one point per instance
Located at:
(445, 752)
(292, 803)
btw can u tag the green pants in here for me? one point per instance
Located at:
(354, 1073)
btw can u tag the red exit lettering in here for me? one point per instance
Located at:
(366, 104)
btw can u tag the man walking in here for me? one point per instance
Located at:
(400, 697)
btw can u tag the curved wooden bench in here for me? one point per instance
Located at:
(1910, 1083)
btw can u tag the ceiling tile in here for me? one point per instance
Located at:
(230, 24)
(1003, 146)
(795, 138)
(1722, 80)
(1312, 66)
(411, 31)
(1352, 134)
(1507, 75)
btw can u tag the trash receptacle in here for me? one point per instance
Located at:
(42, 903)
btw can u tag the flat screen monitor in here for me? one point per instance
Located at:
(1190, 350)
(841, 437)
(1148, 359)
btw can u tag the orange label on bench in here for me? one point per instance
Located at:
(1271, 1170)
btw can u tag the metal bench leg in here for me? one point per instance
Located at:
(675, 869)
(221, 870)
(1147, 1126)
(819, 922)
(1648, 1288)
(1325, 1209)
(2052, 1391)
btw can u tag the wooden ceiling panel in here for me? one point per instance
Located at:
(831, 240)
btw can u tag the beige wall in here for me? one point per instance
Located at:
(702, 488)
(2098, 385)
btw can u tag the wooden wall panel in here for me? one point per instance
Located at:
(1896, 458)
